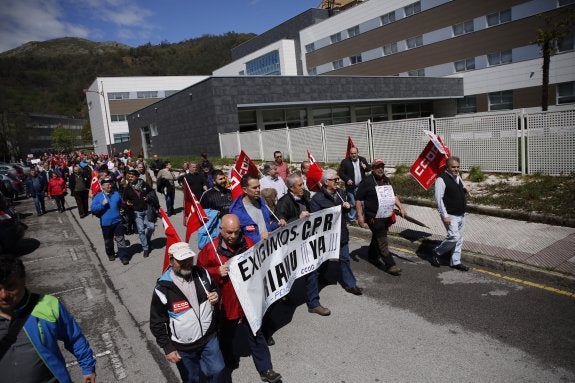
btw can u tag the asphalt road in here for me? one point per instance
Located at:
(428, 325)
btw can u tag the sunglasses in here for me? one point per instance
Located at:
(333, 179)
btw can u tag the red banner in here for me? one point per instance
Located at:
(171, 237)
(314, 174)
(245, 165)
(349, 146)
(430, 163)
(95, 186)
(235, 186)
(194, 213)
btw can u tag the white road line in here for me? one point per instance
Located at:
(65, 234)
(87, 289)
(98, 355)
(67, 291)
(73, 254)
(44, 259)
(60, 220)
(117, 366)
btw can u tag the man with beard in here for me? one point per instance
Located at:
(228, 244)
(218, 197)
(377, 194)
(183, 317)
(142, 199)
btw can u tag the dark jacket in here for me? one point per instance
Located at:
(346, 172)
(366, 193)
(197, 183)
(288, 209)
(137, 193)
(323, 200)
(454, 196)
(72, 181)
(36, 186)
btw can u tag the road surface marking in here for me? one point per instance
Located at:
(60, 220)
(87, 289)
(73, 253)
(65, 234)
(118, 367)
(67, 291)
(44, 259)
(527, 283)
(98, 355)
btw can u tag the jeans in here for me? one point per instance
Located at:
(205, 365)
(258, 344)
(115, 233)
(454, 239)
(312, 289)
(352, 214)
(39, 204)
(347, 279)
(145, 228)
(170, 194)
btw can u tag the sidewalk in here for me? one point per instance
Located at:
(545, 247)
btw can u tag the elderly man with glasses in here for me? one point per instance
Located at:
(376, 195)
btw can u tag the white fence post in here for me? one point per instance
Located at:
(523, 138)
(288, 139)
(261, 145)
(368, 126)
(323, 143)
(239, 141)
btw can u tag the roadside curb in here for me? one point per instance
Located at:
(527, 271)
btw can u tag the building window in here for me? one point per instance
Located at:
(412, 9)
(463, 28)
(310, 47)
(562, 3)
(355, 59)
(501, 100)
(335, 38)
(118, 117)
(499, 17)
(337, 64)
(374, 113)
(247, 120)
(168, 93)
(118, 95)
(312, 71)
(387, 18)
(389, 49)
(266, 65)
(121, 137)
(147, 94)
(353, 31)
(498, 58)
(565, 44)
(467, 104)
(416, 73)
(463, 65)
(410, 110)
(566, 92)
(414, 42)
(242, 73)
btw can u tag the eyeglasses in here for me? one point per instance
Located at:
(278, 156)
(333, 179)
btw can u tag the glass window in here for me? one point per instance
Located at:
(117, 117)
(273, 115)
(412, 9)
(341, 115)
(501, 100)
(266, 65)
(390, 49)
(312, 71)
(416, 73)
(335, 38)
(310, 47)
(467, 104)
(410, 110)
(414, 42)
(147, 94)
(388, 18)
(353, 31)
(322, 116)
(499, 17)
(565, 44)
(463, 28)
(337, 64)
(121, 137)
(355, 59)
(247, 120)
(463, 65)
(498, 58)
(118, 95)
(242, 73)
(168, 93)
(566, 93)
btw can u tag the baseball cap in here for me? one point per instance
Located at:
(181, 251)
(377, 161)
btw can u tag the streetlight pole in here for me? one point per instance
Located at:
(101, 93)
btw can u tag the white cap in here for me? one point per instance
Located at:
(181, 251)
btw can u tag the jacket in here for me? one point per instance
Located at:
(56, 186)
(249, 227)
(207, 258)
(174, 322)
(72, 181)
(323, 200)
(36, 186)
(137, 193)
(110, 213)
(288, 209)
(346, 171)
(49, 323)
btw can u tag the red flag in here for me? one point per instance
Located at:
(235, 186)
(171, 237)
(431, 162)
(95, 186)
(314, 173)
(245, 165)
(349, 146)
(194, 214)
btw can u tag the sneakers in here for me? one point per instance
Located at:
(271, 341)
(270, 376)
(320, 310)
(111, 258)
(460, 267)
(394, 270)
(434, 259)
(355, 290)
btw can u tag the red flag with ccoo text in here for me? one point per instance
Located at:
(194, 213)
(431, 162)
(171, 237)
(314, 174)
(245, 165)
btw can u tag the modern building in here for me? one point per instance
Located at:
(40, 129)
(111, 99)
(488, 43)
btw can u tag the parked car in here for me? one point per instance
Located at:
(9, 169)
(14, 185)
(23, 170)
(11, 229)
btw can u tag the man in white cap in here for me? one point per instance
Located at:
(183, 317)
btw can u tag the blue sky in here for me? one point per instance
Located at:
(137, 22)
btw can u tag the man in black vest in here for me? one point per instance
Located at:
(352, 171)
(450, 200)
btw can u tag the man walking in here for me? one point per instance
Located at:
(79, 184)
(166, 185)
(451, 201)
(376, 194)
(183, 317)
(107, 205)
(36, 186)
(196, 180)
(352, 171)
(218, 197)
(31, 326)
(271, 179)
(228, 244)
(281, 165)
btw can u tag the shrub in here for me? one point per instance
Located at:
(476, 175)
(401, 169)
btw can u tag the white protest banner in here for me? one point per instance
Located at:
(265, 273)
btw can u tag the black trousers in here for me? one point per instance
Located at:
(81, 198)
(379, 245)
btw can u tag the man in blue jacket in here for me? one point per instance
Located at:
(36, 186)
(107, 205)
(31, 326)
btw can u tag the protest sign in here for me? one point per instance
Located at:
(265, 273)
(431, 162)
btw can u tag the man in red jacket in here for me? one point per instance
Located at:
(228, 244)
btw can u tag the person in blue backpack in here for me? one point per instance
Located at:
(31, 326)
